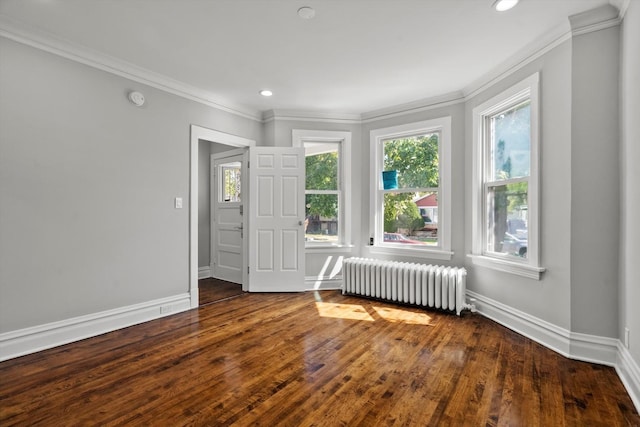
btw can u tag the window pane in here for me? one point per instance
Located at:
(231, 182)
(411, 218)
(415, 158)
(508, 218)
(321, 165)
(321, 223)
(511, 142)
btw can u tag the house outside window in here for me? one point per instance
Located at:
(505, 181)
(410, 214)
(327, 188)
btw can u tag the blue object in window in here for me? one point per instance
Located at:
(389, 180)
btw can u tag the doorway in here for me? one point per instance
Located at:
(227, 222)
(200, 209)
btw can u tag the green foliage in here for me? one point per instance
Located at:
(415, 159)
(321, 205)
(322, 174)
(322, 171)
(410, 218)
(417, 162)
(400, 211)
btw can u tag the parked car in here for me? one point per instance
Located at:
(399, 238)
(514, 245)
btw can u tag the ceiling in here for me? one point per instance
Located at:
(354, 56)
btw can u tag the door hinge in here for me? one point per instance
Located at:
(248, 164)
(247, 270)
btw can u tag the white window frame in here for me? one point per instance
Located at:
(377, 137)
(527, 89)
(299, 137)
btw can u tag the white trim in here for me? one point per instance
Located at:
(587, 348)
(198, 133)
(629, 373)
(508, 266)
(45, 41)
(299, 137)
(601, 17)
(423, 254)
(418, 106)
(525, 89)
(376, 139)
(543, 332)
(311, 116)
(37, 338)
(49, 43)
(322, 283)
(204, 272)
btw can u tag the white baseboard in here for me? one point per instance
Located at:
(587, 348)
(325, 283)
(629, 373)
(204, 272)
(41, 337)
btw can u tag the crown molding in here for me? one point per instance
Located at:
(595, 19)
(622, 6)
(420, 105)
(38, 39)
(311, 116)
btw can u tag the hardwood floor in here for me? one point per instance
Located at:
(310, 359)
(214, 290)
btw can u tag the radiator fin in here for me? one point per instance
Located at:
(433, 286)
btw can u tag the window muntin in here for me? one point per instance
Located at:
(416, 160)
(231, 182)
(508, 168)
(505, 198)
(322, 192)
(423, 196)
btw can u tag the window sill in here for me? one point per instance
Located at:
(506, 266)
(329, 248)
(438, 254)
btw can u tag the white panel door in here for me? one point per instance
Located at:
(276, 225)
(227, 254)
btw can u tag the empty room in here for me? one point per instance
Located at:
(319, 213)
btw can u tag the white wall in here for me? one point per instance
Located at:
(548, 299)
(630, 180)
(87, 185)
(595, 182)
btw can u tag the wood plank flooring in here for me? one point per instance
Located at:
(310, 359)
(215, 290)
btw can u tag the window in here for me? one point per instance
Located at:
(410, 201)
(505, 199)
(231, 182)
(326, 191)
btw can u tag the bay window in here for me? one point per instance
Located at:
(505, 181)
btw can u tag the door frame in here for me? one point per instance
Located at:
(214, 192)
(198, 133)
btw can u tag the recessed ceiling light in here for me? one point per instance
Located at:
(502, 5)
(266, 92)
(306, 12)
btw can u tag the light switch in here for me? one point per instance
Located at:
(178, 203)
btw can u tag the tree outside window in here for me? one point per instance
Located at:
(416, 160)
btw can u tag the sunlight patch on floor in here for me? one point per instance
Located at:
(343, 311)
(396, 315)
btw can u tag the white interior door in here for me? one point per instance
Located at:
(227, 231)
(276, 225)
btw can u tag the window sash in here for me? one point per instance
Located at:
(525, 91)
